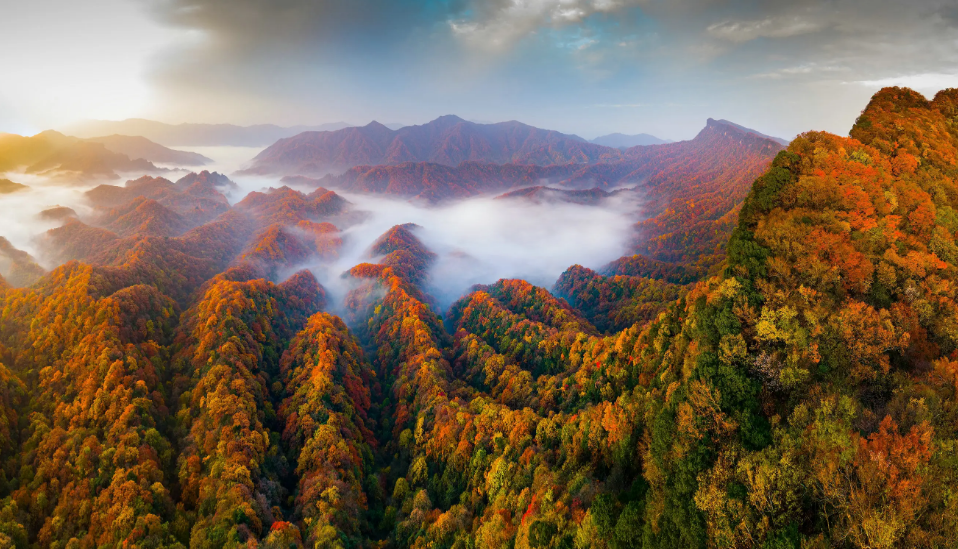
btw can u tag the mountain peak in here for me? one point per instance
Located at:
(448, 118)
(445, 121)
(50, 133)
(374, 125)
(722, 123)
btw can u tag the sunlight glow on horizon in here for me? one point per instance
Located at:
(586, 67)
(61, 65)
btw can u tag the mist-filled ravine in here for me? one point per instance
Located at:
(478, 240)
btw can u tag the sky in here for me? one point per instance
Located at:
(588, 67)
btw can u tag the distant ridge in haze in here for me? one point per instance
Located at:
(136, 146)
(779, 140)
(447, 140)
(623, 141)
(7, 186)
(715, 159)
(195, 135)
(51, 153)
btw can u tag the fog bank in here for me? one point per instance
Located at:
(480, 240)
(20, 220)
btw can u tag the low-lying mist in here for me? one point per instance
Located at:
(477, 240)
(22, 225)
(20, 219)
(480, 240)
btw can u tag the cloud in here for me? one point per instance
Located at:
(498, 25)
(802, 70)
(777, 27)
(949, 14)
(545, 62)
(932, 81)
(20, 210)
(477, 241)
(480, 240)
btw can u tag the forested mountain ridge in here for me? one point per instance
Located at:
(166, 393)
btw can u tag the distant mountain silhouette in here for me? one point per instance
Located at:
(447, 140)
(136, 146)
(623, 141)
(7, 186)
(194, 134)
(779, 140)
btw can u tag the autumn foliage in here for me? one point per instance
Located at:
(795, 386)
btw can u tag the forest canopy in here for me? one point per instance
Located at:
(776, 368)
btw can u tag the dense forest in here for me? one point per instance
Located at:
(776, 367)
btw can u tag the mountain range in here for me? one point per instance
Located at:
(195, 135)
(717, 147)
(690, 190)
(447, 140)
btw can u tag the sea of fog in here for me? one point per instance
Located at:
(480, 240)
(477, 240)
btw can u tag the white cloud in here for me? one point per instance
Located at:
(931, 81)
(770, 27)
(801, 70)
(498, 25)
